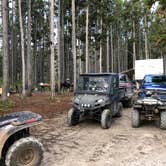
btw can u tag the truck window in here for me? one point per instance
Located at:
(123, 78)
(148, 79)
(155, 79)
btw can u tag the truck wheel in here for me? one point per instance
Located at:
(106, 119)
(120, 108)
(163, 119)
(73, 117)
(130, 103)
(25, 152)
(135, 118)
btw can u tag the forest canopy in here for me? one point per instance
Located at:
(109, 36)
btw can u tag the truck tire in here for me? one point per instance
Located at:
(106, 119)
(130, 103)
(120, 108)
(73, 117)
(135, 118)
(25, 152)
(163, 119)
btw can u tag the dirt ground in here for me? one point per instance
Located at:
(87, 144)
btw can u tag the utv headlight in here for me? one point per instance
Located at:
(76, 101)
(139, 102)
(141, 94)
(148, 93)
(100, 101)
(160, 103)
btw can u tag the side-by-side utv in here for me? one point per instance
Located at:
(17, 147)
(151, 102)
(97, 96)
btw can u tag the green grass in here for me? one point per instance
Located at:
(6, 105)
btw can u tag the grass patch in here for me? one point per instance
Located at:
(6, 105)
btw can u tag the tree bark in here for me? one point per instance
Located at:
(59, 45)
(164, 63)
(134, 45)
(52, 69)
(101, 48)
(112, 51)
(87, 39)
(29, 55)
(5, 51)
(22, 48)
(146, 38)
(74, 42)
(63, 45)
(108, 52)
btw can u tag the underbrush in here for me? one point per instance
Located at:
(6, 105)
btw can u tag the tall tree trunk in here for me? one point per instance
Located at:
(22, 48)
(164, 63)
(87, 39)
(35, 54)
(118, 52)
(108, 51)
(95, 60)
(80, 59)
(63, 44)
(59, 45)
(5, 51)
(118, 47)
(12, 44)
(112, 51)
(134, 45)
(126, 54)
(29, 56)
(52, 69)
(74, 42)
(146, 38)
(101, 48)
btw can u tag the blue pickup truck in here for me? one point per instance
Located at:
(151, 101)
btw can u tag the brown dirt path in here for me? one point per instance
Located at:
(87, 144)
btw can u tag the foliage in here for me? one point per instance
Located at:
(6, 105)
(116, 14)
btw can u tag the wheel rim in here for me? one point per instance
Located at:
(26, 156)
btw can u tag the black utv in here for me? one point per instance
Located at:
(97, 96)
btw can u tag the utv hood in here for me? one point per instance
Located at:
(90, 99)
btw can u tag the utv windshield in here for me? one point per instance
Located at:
(155, 79)
(93, 84)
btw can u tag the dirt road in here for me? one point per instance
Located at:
(88, 145)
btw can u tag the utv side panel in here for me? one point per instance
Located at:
(19, 123)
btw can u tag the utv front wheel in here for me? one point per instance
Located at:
(163, 120)
(120, 108)
(73, 117)
(135, 118)
(106, 119)
(25, 152)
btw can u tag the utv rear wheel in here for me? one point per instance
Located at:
(135, 118)
(73, 117)
(25, 152)
(120, 108)
(163, 120)
(106, 119)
